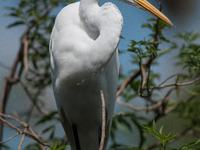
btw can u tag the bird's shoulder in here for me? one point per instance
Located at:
(68, 16)
(69, 31)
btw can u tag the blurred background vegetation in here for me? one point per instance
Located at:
(159, 78)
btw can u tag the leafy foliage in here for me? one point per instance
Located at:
(189, 51)
(38, 20)
(189, 146)
(159, 28)
(159, 135)
(148, 50)
(55, 147)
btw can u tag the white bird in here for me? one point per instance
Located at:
(84, 60)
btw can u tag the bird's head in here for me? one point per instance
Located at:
(145, 5)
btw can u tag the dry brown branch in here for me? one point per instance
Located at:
(121, 113)
(10, 138)
(188, 91)
(144, 67)
(126, 82)
(38, 136)
(159, 87)
(25, 42)
(143, 76)
(103, 121)
(25, 125)
(150, 108)
(22, 53)
(22, 139)
(170, 109)
(166, 80)
(148, 76)
(8, 85)
(28, 134)
(176, 84)
(34, 101)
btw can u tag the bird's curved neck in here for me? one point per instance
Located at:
(87, 11)
(88, 7)
(107, 20)
(89, 2)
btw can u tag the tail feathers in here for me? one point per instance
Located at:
(99, 133)
(76, 137)
(68, 129)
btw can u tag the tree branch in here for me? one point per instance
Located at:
(10, 138)
(22, 139)
(31, 135)
(126, 82)
(150, 108)
(103, 121)
(34, 101)
(176, 84)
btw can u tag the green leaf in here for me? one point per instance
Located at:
(47, 117)
(154, 125)
(147, 25)
(161, 129)
(11, 15)
(152, 20)
(158, 138)
(48, 129)
(5, 147)
(17, 23)
(11, 8)
(62, 147)
(55, 145)
(195, 36)
(197, 142)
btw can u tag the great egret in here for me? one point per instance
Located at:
(84, 60)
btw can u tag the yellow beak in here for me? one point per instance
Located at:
(145, 5)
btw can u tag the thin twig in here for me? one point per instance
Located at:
(150, 108)
(148, 92)
(10, 138)
(176, 84)
(25, 42)
(143, 77)
(38, 136)
(7, 86)
(103, 121)
(24, 132)
(42, 111)
(11, 117)
(126, 82)
(171, 108)
(24, 124)
(158, 104)
(22, 139)
(166, 80)
(119, 114)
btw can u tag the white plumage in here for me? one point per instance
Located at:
(84, 60)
